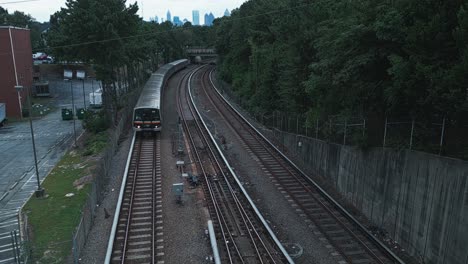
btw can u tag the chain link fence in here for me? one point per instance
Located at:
(440, 135)
(100, 181)
(102, 177)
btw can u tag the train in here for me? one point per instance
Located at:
(146, 114)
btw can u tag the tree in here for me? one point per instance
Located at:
(20, 19)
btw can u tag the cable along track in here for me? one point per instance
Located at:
(348, 237)
(136, 235)
(240, 235)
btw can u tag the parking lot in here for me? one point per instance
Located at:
(53, 136)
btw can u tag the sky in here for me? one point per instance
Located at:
(42, 9)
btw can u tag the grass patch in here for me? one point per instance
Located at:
(95, 143)
(54, 218)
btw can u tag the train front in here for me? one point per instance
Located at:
(146, 119)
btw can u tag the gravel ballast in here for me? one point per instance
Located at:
(96, 245)
(289, 226)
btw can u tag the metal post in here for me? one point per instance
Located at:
(316, 128)
(297, 125)
(75, 257)
(84, 96)
(442, 136)
(16, 73)
(364, 128)
(344, 134)
(17, 246)
(92, 88)
(385, 133)
(13, 247)
(281, 122)
(306, 125)
(39, 191)
(411, 136)
(180, 143)
(214, 245)
(73, 109)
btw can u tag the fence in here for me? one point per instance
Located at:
(440, 135)
(101, 178)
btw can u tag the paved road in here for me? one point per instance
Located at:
(53, 136)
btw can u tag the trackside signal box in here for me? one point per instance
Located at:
(178, 190)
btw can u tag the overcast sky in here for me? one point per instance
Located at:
(42, 9)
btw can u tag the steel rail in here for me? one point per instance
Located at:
(153, 204)
(311, 193)
(248, 225)
(311, 181)
(129, 217)
(243, 214)
(110, 243)
(252, 204)
(217, 208)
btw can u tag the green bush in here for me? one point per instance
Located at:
(96, 122)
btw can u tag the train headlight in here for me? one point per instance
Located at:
(138, 126)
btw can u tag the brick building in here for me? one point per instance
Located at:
(15, 68)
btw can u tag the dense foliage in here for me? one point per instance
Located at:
(328, 57)
(20, 19)
(111, 36)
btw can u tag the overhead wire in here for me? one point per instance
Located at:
(229, 19)
(18, 2)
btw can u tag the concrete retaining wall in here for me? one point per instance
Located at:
(420, 199)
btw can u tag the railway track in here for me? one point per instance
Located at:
(344, 233)
(136, 239)
(241, 236)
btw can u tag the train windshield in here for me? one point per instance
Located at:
(147, 114)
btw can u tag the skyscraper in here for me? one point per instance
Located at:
(168, 16)
(196, 17)
(227, 13)
(177, 21)
(209, 19)
(206, 19)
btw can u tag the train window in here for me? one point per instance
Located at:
(147, 114)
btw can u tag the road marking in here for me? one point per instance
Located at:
(6, 260)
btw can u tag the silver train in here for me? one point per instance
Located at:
(146, 114)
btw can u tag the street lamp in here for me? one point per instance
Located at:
(40, 191)
(81, 75)
(68, 76)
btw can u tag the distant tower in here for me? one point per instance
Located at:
(177, 21)
(156, 19)
(196, 17)
(168, 16)
(227, 13)
(211, 19)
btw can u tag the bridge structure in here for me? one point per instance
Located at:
(197, 54)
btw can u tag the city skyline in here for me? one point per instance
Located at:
(42, 9)
(179, 21)
(195, 17)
